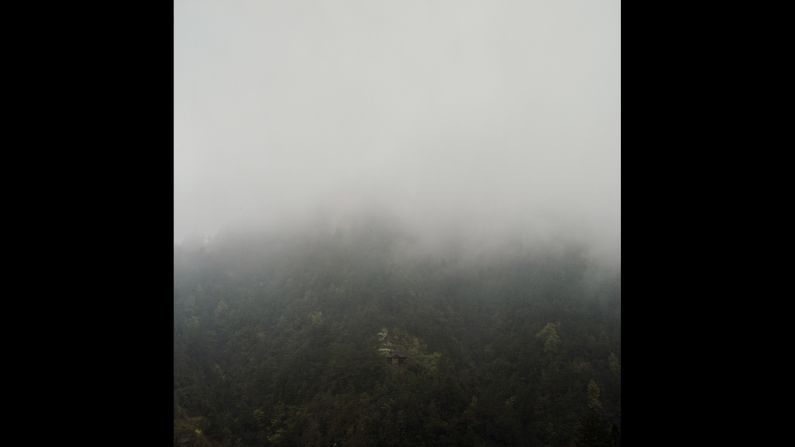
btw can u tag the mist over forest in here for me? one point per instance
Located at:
(397, 223)
(284, 339)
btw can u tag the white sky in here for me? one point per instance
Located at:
(498, 113)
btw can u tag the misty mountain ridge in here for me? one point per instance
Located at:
(410, 237)
(281, 338)
(409, 223)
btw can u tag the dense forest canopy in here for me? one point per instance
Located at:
(284, 338)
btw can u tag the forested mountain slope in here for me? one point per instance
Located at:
(282, 340)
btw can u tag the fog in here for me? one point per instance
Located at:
(476, 118)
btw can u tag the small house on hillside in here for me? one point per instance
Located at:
(396, 358)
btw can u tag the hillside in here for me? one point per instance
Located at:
(283, 339)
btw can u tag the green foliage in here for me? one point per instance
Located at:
(316, 317)
(614, 364)
(594, 393)
(282, 342)
(189, 432)
(550, 336)
(411, 346)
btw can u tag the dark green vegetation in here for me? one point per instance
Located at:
(283, 342)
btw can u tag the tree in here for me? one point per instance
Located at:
(593, 396)
(550, 336)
